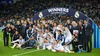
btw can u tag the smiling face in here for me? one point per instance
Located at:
(85, 21)
(59, 32)
(20, 37)
(35, 30)
(30, 28)
(8, 25)
(18, 22)
(80, 23)
(39, 31)
(55, 24)
(55, 42)
(16, 32)
(12, 26)
(46, 30)
(22, 21)
(68, 21)
(74, 23)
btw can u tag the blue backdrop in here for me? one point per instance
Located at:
(96, 36)
(6, 1)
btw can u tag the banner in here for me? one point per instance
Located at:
(60, 10)
(6, 1)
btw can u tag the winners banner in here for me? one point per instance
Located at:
(60, 10)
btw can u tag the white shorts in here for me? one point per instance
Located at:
(19, 45)
(45, 45)
(68, 40)
(59, 48)
(41, 41)
(49, 47)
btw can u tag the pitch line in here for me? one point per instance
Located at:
(26, 52)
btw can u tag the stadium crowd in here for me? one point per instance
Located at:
(27, 8)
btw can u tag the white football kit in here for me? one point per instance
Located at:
(20, 41)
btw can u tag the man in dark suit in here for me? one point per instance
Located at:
(80, 34)
(74, 31)
(6, 32)
(87, 36)
(13, 30)
(15, 36)
(19, 27)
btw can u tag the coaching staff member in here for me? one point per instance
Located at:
(87, 36)
(6, 32)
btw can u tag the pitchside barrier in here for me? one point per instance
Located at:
(96, 36)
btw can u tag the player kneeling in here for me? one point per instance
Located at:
(18, 43)
(56, 47)
(30, 43)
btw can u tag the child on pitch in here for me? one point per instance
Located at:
(18, 43)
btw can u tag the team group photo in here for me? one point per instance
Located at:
(49, 27)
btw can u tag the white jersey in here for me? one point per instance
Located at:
(46, 34)
(58, 47)
(67, 35)
(52, 40)
(54, 29)
(19, 40)
(40, 39)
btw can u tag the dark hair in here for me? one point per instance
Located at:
(59, 31)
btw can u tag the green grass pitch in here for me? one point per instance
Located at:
(7, 51)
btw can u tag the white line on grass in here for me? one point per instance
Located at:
(26, 52)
